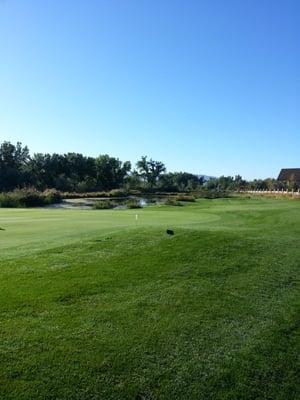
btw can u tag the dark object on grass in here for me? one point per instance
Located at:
(2, 229)
(170, 232)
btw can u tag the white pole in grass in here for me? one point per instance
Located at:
(136, 218)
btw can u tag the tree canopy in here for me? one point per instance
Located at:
(75, 172)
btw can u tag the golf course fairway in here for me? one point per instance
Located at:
(103, 304)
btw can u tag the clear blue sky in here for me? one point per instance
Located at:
(209, 86)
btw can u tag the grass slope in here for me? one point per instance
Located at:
(95, 305)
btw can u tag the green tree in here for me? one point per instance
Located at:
(111, 172)
(179, 181)
(150, 170)
(13, 165)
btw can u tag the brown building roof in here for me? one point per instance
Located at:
(287, 173)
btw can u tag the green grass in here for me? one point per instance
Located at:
(97, 305)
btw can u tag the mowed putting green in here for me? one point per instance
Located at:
(99, 304)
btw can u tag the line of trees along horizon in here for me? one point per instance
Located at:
(74, 172)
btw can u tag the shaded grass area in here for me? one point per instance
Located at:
(130, 313)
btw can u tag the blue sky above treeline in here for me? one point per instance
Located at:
(209, 87)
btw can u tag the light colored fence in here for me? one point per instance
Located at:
(275, 192)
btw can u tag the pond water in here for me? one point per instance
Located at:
(118, 203)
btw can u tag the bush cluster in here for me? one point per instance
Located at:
(133, 203)
(103, 205)
(172, 202)
(185, 197)
(20, 198)
(115, 193)
(212, 194)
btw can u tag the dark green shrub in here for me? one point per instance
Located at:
(28, 198)
(212, 194)
(52, 196)
(103, 205)
(183, 197)
(172, 202)
(6, 200)
(118, 193)
(133, 203)
(76, 195)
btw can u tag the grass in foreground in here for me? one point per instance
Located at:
(97, 305)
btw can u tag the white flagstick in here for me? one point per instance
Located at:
(136, 218)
